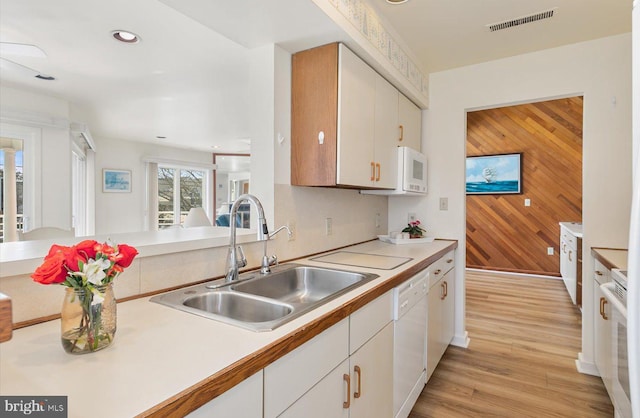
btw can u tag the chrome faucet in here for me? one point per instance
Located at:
(267, 262)
(235, 255)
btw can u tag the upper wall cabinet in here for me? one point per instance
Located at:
(410, 123)
(346, 122)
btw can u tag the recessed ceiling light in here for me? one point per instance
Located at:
(397, 1)
(125, 36)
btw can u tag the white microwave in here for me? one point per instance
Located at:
(412, 174)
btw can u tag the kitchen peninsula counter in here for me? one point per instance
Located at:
(164, 362)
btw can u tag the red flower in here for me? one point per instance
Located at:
(105, 249)
(52, 271)
(128, 253)
(87, 248)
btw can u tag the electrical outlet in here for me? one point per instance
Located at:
(377, 220)
(527, 202)
(444, 203)
(292, 228)
(411, 217)
(328, 226)
(549, 250)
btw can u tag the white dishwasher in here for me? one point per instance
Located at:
(410, 340)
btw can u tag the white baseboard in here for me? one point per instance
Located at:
(461, 340)
(586, 367)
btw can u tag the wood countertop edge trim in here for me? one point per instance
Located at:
(206, 390)
(601, 258)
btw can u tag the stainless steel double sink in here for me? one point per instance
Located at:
(263, 302)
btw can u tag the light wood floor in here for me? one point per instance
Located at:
(525, 335)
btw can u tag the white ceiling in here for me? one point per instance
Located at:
(445, 34)
(188, 78)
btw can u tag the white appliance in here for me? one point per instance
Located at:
(412, 174)
(410, 341)
(616, 294)
(633, 264)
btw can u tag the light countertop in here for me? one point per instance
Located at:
(158, 351)
(574, 228)
(612, 258)
(23, 257)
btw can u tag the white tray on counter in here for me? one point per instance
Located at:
(387, 238)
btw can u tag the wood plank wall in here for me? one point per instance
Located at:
(503, 234)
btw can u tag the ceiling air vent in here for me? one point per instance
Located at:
(521, 20)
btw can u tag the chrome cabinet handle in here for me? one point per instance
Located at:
(443, 293)
(358, 392)
(378, 171)
(570, 255)
(346, 404)
(449, 261)
(401, 133)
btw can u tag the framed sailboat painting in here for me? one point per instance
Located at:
(494, 174)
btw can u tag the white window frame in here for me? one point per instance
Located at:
(31, 171)
(207, 181)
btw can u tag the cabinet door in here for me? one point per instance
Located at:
(243, 400)
(372, 377)
(602, 335)
(291, 376)
(448, 309)
(387, 133)
(326, 399)
(356, 98)
(314, 104)
(434, 327)
(410, 119)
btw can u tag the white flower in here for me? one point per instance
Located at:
(97, 297)
(94, 271)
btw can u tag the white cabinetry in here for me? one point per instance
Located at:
(386, 134)
(346, 121)
(291, 376)
(324, 399)
(410, 123)
(602, 325)
(571, 262)
(440, 324)
(243, 400)
(359, 384)
(356, 107)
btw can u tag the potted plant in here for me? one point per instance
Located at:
(414, 229)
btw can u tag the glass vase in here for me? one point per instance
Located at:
(88, 319)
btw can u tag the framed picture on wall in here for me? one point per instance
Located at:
(494, 174)
(116, 181)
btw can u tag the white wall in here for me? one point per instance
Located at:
(600, 70)
(124, 212)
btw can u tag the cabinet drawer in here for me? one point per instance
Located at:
(367, 321)
(243, 400)
(290, 377)
(438, 269)
(568, 238)
(601, 273)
